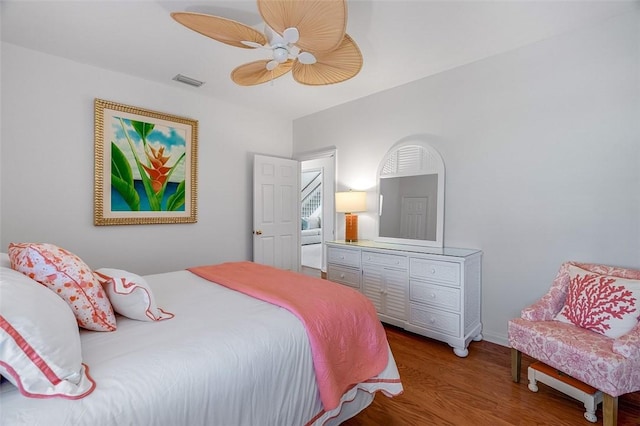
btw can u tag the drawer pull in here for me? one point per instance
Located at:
(432, 320)
(433, 295)
(342, 257)
(433, 270)
(341, 275)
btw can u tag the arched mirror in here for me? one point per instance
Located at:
(411, 195)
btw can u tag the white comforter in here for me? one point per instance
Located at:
(224, 359)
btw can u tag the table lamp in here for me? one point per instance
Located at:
(350, 202)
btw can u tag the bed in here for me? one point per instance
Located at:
(223, 358)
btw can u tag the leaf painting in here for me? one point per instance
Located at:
(145, 166)
(152, 163)
(122, 178)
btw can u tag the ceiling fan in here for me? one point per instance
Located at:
(306, 37)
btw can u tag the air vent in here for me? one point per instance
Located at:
(188, 80)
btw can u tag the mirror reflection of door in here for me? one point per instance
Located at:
(413, 218)
(409, 207)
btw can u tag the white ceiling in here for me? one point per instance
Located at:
(400, 40)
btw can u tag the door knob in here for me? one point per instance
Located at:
(258, 232)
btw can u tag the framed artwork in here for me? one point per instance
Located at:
(145, 166)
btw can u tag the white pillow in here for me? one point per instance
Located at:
(5, 262)
(130, 295)
(40, 349)
(606, 304)
(313, 222)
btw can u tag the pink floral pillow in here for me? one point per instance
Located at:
(130, 295)
(70, 278)
(605, 304)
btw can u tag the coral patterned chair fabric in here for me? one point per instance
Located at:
(608, 364)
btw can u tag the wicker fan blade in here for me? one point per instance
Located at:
(256, 72)
(331, 67)
(224, 30)
(321, 23)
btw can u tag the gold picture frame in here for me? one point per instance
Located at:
(145, 166)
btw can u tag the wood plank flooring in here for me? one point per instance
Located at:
(443, 389)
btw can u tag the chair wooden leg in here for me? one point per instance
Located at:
(516, 362)
(609, 410)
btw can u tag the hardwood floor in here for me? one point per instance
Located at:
(442, 389)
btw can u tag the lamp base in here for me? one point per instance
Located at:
(351, 227)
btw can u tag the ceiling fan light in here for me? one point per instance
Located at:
(291, 35)
(294, 50)
(280, 54)
(307, 58)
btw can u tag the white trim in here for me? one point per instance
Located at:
(315, 154)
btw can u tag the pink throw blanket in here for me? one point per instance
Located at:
(348, 342)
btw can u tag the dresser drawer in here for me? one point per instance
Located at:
(346, 276)
(433, 270)
(443, 322)
(435, 295)
(343, 256)
(381, 259)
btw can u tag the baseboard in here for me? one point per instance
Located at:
(498, 339)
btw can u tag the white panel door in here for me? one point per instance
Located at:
(276, 212)
(413, 217)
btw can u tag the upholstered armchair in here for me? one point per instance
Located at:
(611, 365)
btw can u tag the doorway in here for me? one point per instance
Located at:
(311, 180)
(317, 184)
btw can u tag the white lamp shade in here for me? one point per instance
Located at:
(351, 201)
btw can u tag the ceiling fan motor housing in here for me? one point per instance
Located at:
(280, 54)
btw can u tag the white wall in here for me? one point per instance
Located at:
(541, 147)
(47, 167)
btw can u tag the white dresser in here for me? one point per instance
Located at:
(434, 292)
